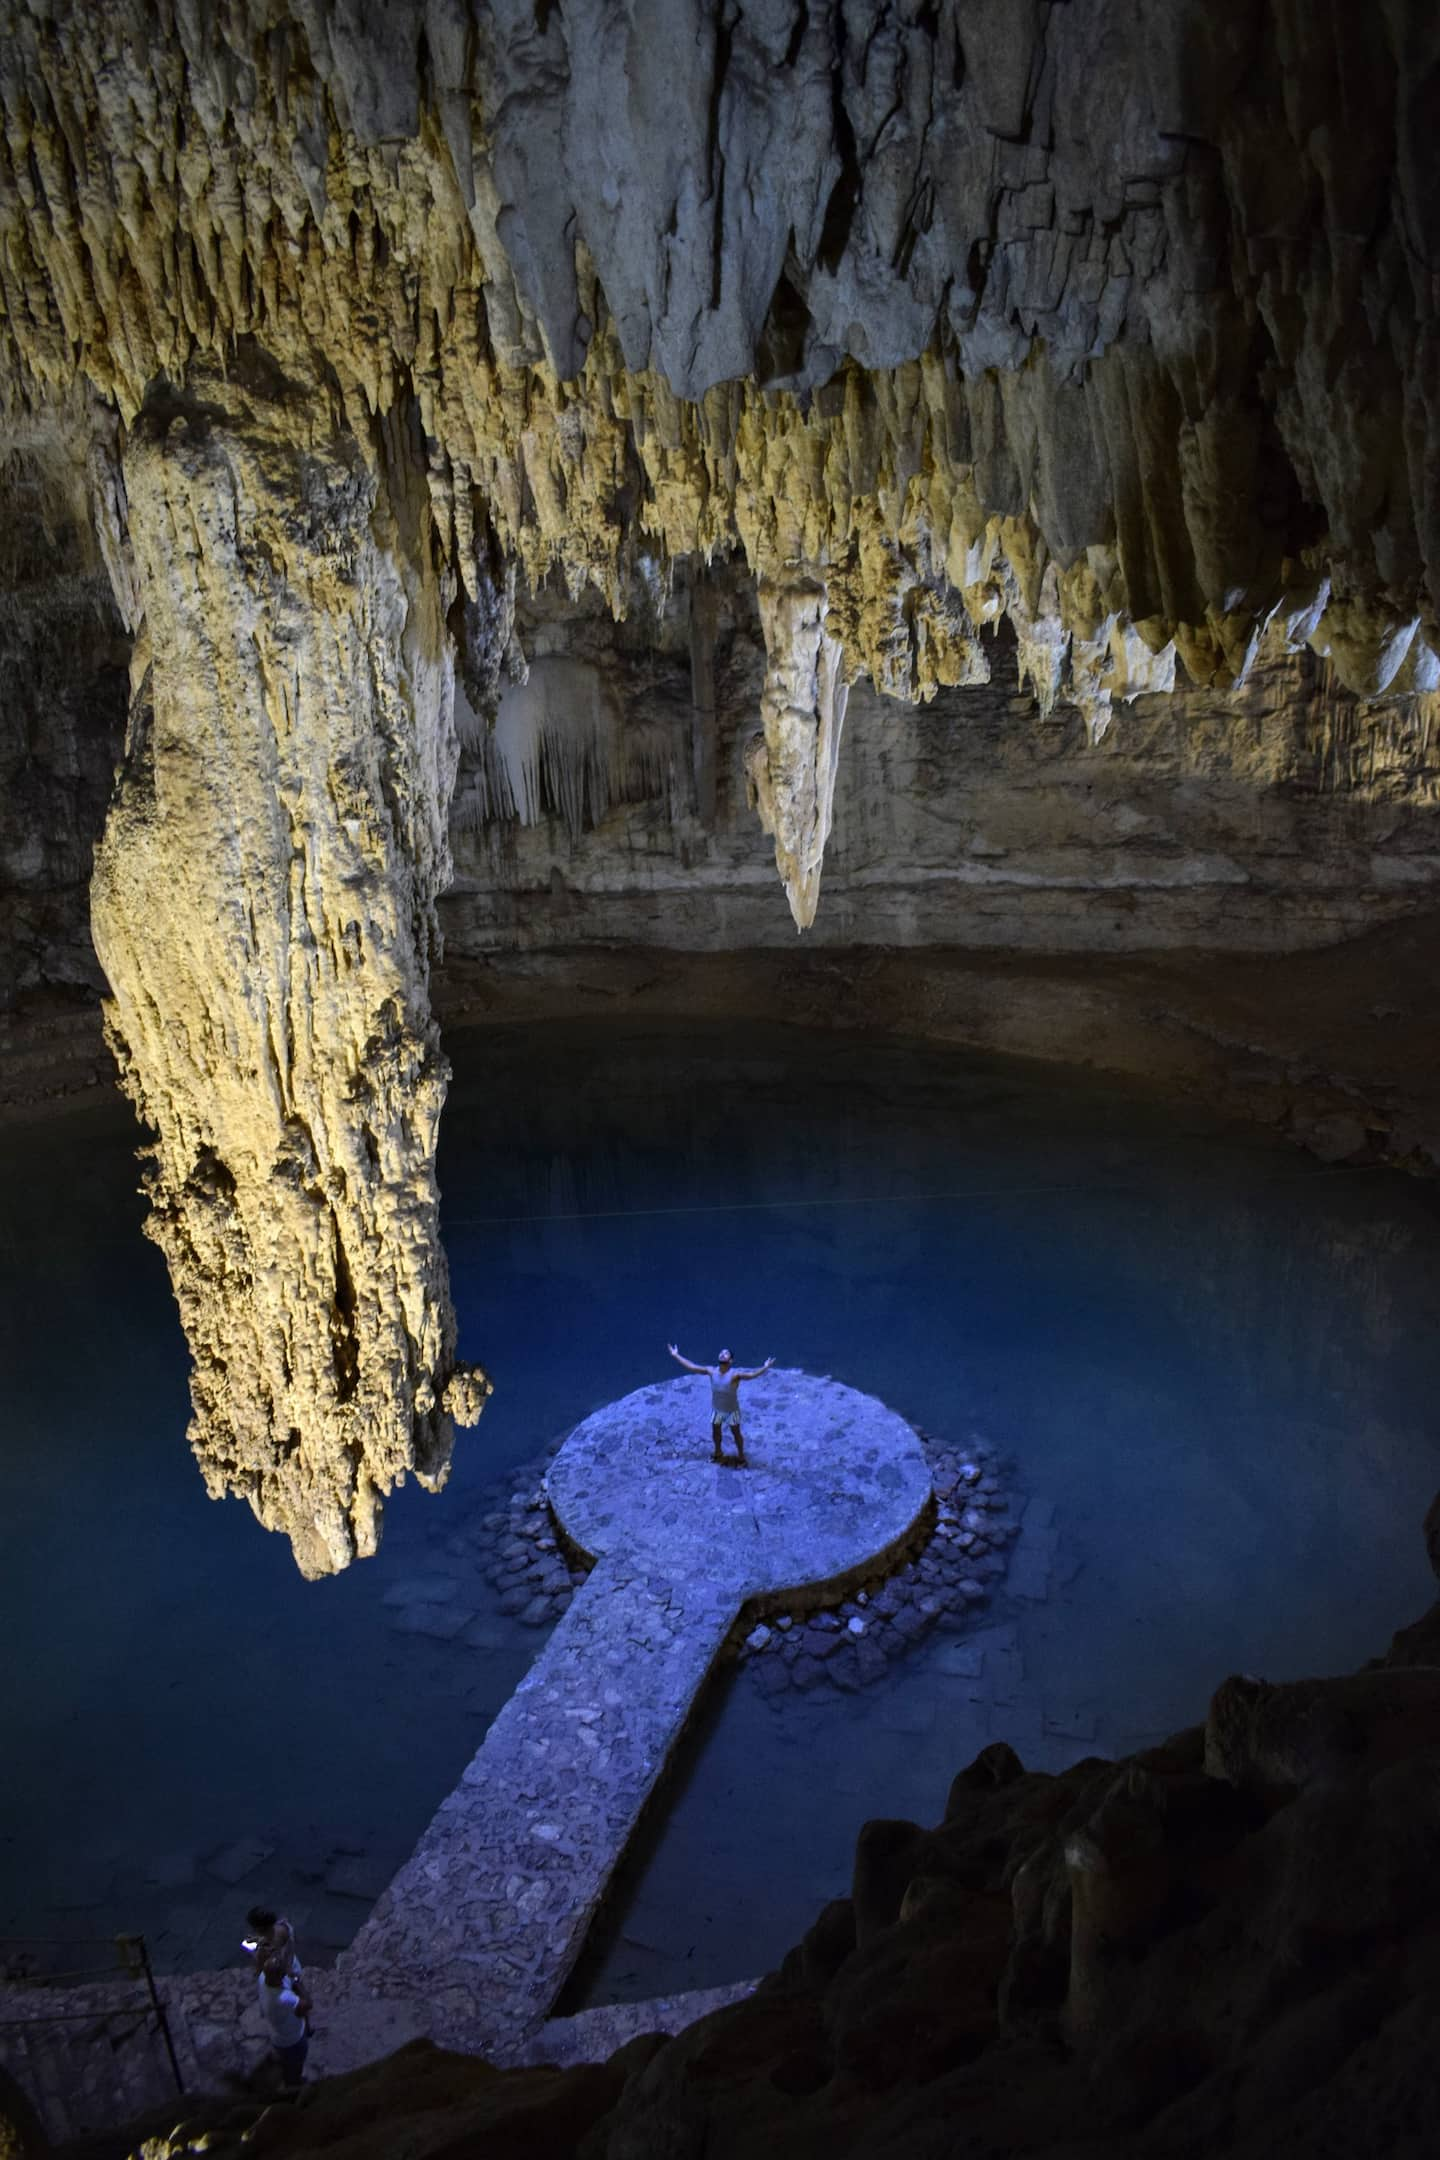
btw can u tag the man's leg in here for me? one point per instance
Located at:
(292, 2062)
(719, 1455)
(739, 1439)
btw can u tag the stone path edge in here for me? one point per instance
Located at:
(812, 1596)
(594, 2035)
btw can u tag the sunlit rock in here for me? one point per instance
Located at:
(264, 910)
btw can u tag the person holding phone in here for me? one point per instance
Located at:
(271, 1935)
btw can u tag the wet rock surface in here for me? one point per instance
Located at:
(511, 1540)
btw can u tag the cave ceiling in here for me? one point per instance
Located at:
(1116, 319)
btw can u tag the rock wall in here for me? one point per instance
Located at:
(1226, 894)
(1141, 903)
(264, 912)
(1288, 814)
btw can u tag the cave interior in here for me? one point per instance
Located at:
(724, 667)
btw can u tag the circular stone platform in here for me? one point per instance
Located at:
(833, 1483)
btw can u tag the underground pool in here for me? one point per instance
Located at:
(1206, 1359)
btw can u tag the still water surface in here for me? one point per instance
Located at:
(1216, 1358)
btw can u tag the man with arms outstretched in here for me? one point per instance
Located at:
(724, 1397)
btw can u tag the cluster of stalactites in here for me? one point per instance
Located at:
(864, 496)
(866, 492)
(1100, 445)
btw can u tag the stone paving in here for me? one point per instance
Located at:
(834, 1483)
(859, 1641)
(104, 2064)
(594, 2035)
(488, 1916)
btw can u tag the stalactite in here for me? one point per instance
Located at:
(263, 907)
(1138, 383)
(793, 762)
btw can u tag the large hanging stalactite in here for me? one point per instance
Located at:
(264, 910)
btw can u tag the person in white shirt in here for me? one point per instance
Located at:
(286, 2010)
(724, 1378)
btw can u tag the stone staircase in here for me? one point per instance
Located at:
(91, 2059)
(91, 2056)
(83, 2068)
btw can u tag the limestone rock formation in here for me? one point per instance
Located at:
(1314, 1731)
(63, 662)
(1284, 814)
(1110, 317)
(802, 711)
(1117, 321)
(264, 908)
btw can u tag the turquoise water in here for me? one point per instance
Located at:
(1216, 1358)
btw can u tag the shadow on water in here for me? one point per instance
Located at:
(1216, 1359)
(632, 1954)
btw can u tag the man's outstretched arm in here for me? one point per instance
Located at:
(689, 1365)
(758, 1374)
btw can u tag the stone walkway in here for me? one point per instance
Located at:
(474, 1938)
(488, 1915)
(105, 2065)
(486, 1919)
(594, 2035)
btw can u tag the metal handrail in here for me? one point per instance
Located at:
(33, 1939)
(72, 2017)
(134, 1964)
